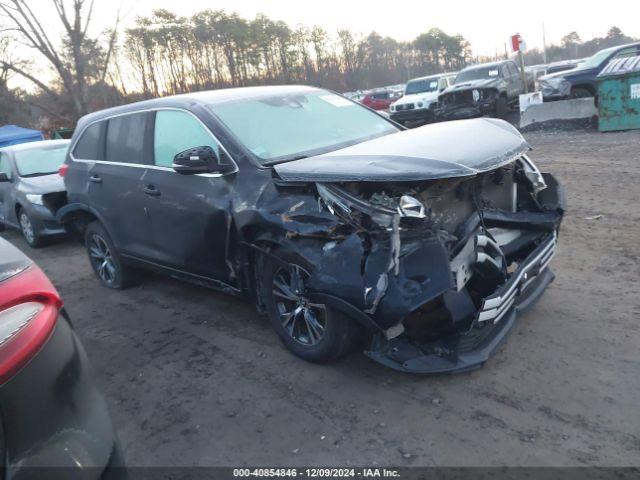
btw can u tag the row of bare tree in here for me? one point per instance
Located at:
(166, 54)
(172, 54)
(80, 70)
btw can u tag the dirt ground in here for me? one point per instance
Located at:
(194, 377)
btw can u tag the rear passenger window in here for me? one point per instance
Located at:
(629, 52)
(89, 146)
(5, 167)
(176, 131)
(126, 138)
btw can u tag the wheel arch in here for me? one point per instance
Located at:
(264, 247)
(253, 252)
(75, 218)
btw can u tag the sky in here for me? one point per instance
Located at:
(486, 24)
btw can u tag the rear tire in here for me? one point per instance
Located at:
(28, 230)
(104, 259)
(314, 332)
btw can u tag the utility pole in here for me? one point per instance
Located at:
(517, 45)
(544, 45)
(523, 75)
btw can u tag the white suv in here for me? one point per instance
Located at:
(420, 97)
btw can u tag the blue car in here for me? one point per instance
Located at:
(580, 82)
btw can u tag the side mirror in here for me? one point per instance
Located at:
(199, 160)
(4, 177)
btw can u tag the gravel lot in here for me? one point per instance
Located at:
(194, 377)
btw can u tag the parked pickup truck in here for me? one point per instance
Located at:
(487, 89)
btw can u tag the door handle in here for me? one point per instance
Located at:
(95, 179)
(151, 190)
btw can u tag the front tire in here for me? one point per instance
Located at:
(28, 230)
(501, 108)
(104, 258)
(312, 331)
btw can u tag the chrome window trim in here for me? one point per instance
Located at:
(152, 167)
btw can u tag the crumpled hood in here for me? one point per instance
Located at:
(473, 84)
(42, 184)
(417, 97)
(442, 150)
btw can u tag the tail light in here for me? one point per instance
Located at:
(29, 307)
(62, 171)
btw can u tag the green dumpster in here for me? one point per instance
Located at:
(619, 95)
(63, 133)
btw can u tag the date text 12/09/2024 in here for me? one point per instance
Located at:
(307, 473)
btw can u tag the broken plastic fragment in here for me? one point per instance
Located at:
(532, 173)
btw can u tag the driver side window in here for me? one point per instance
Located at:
(176, 131)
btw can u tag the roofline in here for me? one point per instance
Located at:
(435, 75)
(203, 97)
(487, 64)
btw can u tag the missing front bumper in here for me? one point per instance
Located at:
(464, 111)
(497, 315)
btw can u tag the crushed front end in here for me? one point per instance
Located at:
(441, 267)
(467, 103)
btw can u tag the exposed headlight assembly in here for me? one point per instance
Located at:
(34, 198)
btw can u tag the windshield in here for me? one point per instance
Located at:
(421, 86)
(285, 127)
(40, 161)
(596, 59)
(477, 74)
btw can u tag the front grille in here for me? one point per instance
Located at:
(406, 106)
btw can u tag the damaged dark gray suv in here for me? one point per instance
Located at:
(341, 226)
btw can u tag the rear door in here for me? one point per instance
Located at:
(513, 79)
(121, 150)
(189, 215)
